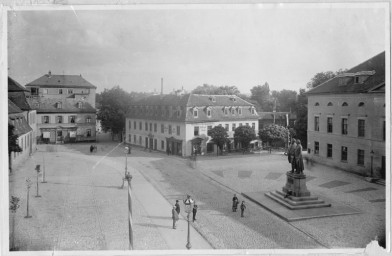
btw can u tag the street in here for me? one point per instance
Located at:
(83, 208)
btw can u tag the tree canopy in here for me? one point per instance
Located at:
(244, 135)
(216, 90)
(219, 136)
(301, 124)
(321, 77)
(273, 133)
(261, 94)
(113, 107)
(13, 145)
(285, 100)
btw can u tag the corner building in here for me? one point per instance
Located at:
(178, 124)
(346, 119)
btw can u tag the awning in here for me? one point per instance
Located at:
(254, 141)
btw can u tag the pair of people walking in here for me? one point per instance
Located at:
(177, 209)
(235, 205)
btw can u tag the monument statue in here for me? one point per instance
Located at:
(299, 162)
(291, 154)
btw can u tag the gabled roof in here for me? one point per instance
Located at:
(44, 105)
(19, 98)
(376, 64)
(61, 81)
(17, 119)
(14, 86)
(12, 108)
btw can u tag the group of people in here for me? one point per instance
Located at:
(93, 148)
(295, 156)
(235, 205)
(177, 209)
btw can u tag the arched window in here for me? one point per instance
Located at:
(361, 104)
(344, 104)
(317, 104)
(330, 104)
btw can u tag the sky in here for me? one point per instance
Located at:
(191, 45)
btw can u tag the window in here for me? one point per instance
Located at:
(383, 131)
(134, 139)
(226, 111)
(344, 154)
(195, 113)
(208, 112)
(329, 150)
(252, 110)
(196, 131)
(140, 125)
(361, 157)
(155, 127)
(253, 126)
(134, 125)
(178, 130)
(361, 104)
(129, 124)
(45, 119)
(170, 129)
(45, 91)
(330, 104)
(232, 111)
(344, 104)
(72, 119)
(80, 104)
(240, 111)
(146, 126)
(129, 138)
(70, 91)
(316, 147)
(357, 79)
(58, 105)
(317, 123)
(150, 127)
(88, 119)
(59, 133)
(317, 104)
(361, 128)
(140, 140)
(88, 132)
(344, 126)
(162, 144)
(329, 124)
(162, 128)
(227, 127)
(59, 119)
(209, 128)
(60, 91)
(233, 127)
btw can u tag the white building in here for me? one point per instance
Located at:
(177, 123)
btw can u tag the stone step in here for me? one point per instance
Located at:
(286, 203)
(295, 198)
(292, 202)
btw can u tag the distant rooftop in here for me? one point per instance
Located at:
(61, 81)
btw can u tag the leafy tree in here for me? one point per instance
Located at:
(301, 124)
(273, 134)
(261, 94)
(216, 90)
(219, 136)
(13, 145)
(286, 100)
(244, 135)
(114, 106)
(321, 77)
(14, 205)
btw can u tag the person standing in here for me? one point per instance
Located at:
(235, 203)
(299, 162)
(291, 154)
(174, 217)
(177, 205)
(194, 211)
(243, 207)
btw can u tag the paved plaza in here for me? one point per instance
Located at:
(83, 208)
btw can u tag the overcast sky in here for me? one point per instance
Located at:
(192, 45)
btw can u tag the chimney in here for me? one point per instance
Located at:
(161, 85)
(50, 73)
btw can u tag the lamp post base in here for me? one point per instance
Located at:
(188, 246)
(28, 216)
(37, 196)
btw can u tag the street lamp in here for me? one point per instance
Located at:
(371, 163)
(28, 185)
(188, 208)
(37, 168)
(126, 150)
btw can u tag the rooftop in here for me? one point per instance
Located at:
(61, 81)
(45, 105)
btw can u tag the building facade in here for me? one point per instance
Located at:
(178, 124)
(65, 106)
(346, 119)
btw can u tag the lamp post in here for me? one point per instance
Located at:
(37, 168)
(188, 208)
(371, 163)
(28, 185)
(128, 178)
(126, 165)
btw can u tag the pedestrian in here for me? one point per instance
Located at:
(194, 210)
(235, 203)
(177, 205)
(243, 207)
(174, 216)
(91, 148)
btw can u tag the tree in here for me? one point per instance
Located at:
(273, 134)
(219, 136)
(301, 124)
(13, 145)
(14, 205)
(286, 100)
(216, 90)
(244, 135)
(321, 77)
(261, 93)
(114, 106)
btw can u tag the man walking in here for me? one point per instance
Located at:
(243, 207)
(174, 216)
(235, 203)
(177, 205)
(194, 211)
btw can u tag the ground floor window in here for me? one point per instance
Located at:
(162, 144)
(59, 133)
(129, 137)
(329, 150)
(140, 140)
(88, 132)
(316, 147)
(210, 147)
(134, 139)
(344, 154)
(361, 157)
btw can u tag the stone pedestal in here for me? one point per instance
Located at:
(296, 185)
(295, 195)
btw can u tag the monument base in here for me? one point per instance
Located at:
(295, 194)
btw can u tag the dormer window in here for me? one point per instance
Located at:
(212, 99)
(208, 112)
(252, 110)
(70, 91)
(58, 105)
(232, 111)
(195, 113)
(226, 111)
(361, 104)
(233, 99)
(60, 91)
(80, 104)
(330, 104)
(240, 111)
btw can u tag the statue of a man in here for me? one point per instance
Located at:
(299, 162)
(291, 154)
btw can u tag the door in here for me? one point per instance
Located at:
(146, 142)
(155, 144)
(383, 167)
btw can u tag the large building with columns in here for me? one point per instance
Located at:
(179, 123)
(346, 119)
